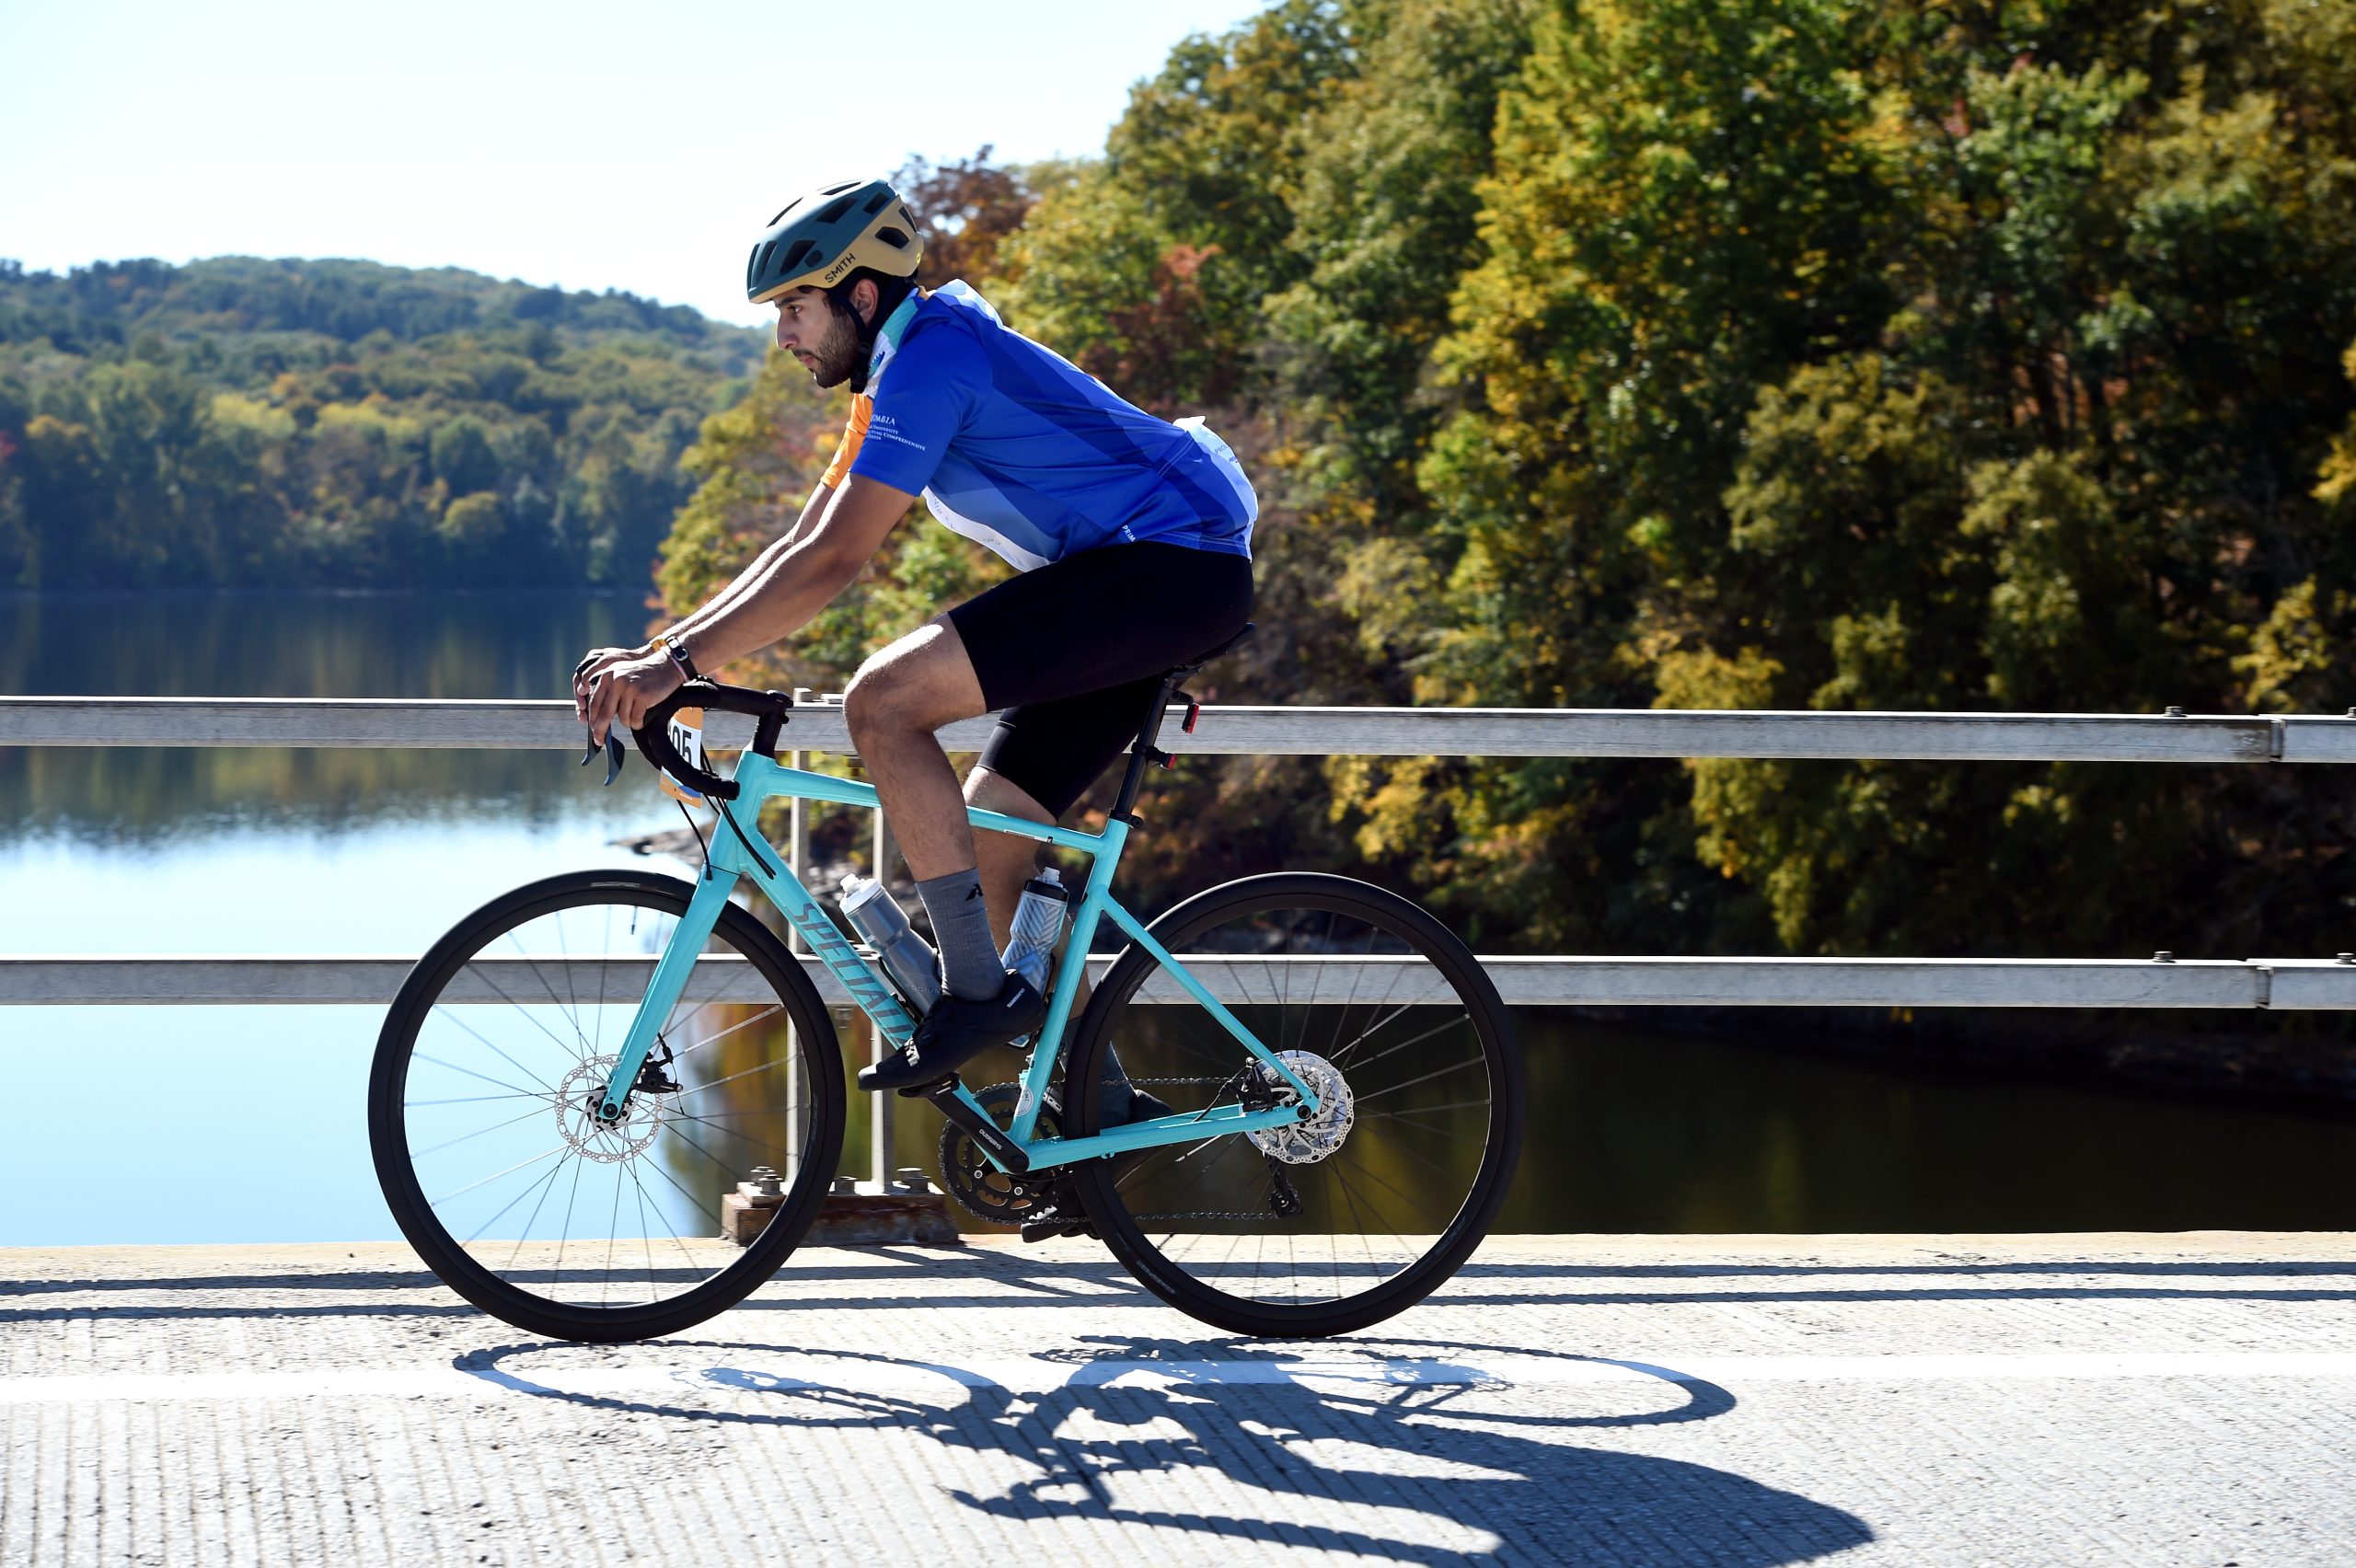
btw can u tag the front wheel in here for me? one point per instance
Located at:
(1344, 1220)
(492, 1061)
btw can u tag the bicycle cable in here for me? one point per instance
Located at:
(702, 844)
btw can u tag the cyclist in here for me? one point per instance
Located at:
(1130, 536)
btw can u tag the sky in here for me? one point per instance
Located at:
(591, 145)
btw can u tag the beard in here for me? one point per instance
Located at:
(836, 355)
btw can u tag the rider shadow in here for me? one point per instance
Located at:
(1419, 1468)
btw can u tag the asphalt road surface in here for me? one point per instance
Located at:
(1732, 1401)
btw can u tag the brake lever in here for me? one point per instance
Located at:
(613, 753)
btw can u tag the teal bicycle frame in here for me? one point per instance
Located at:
(732, 855)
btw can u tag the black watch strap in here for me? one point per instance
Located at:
(677, 647)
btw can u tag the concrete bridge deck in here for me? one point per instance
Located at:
(2143, 1400)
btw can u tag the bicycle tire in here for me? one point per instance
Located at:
(1236, 930)
(540, 1296)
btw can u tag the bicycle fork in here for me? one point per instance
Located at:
(729, 860)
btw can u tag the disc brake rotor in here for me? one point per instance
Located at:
(1305, 1143)
(583, 1094)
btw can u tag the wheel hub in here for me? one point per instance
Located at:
(580, 1103)
(1307, 1142)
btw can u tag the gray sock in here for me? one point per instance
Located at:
(960, 929)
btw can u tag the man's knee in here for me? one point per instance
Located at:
(874, 697)
(921, 682)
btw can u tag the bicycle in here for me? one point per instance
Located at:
(1343, 1084)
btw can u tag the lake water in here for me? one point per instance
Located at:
(248, 1124)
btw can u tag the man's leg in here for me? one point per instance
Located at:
(1006, 861)
(898, 698)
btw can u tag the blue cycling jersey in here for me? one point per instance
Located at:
(1018, 449)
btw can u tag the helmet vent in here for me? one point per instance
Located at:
(761, 259)
(833, 210)
(797, 255)
(839, 189)
(782, 211)
(877, 203)
(896, 238)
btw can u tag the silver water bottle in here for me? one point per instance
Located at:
(907, 958)
(1038, 927)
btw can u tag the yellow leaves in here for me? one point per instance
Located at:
(2291, 643)
(266, 421)
(2038, 803)
(1387, 587)
(1702, 678)
(2338, 480)
(1395, 796)
(472, 522)
(1869, 656)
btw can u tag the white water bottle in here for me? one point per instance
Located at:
(1038, 927)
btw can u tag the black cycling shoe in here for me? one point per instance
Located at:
(957, 1031)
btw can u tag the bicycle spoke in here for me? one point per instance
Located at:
(1356, 1218)
(614, 1217)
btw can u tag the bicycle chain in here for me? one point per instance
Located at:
(1141, 1218)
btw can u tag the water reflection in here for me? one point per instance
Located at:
(386, 645)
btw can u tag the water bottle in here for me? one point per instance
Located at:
(1038, 927)
(907, 958)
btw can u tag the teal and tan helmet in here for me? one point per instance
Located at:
(821, 238)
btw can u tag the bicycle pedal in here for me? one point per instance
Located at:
(928, 1090)
(1047, 1229)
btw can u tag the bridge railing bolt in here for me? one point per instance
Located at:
(2175, 713)
(2164, 956)
(911, 1179)
(2344, 958)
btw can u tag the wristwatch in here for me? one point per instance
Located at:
(674, 644)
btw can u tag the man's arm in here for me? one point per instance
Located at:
(600, 659)
(757, 570)
(779, 593)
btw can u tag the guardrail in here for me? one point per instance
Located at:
(2305, 984)
(1229, 730)
(2284, 985)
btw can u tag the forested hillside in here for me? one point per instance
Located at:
(1734, 352)
(240, 422)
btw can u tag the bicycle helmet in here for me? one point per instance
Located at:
(821, 238)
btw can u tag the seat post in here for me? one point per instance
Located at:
(1146, 745)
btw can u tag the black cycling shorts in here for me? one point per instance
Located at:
(1071, 651)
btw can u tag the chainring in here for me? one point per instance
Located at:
(981, 1188)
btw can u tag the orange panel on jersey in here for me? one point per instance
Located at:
(862, 408)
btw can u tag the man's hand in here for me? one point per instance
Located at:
(595, 663)
(622, 692)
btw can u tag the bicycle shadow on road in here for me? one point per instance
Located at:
(1405, 1449)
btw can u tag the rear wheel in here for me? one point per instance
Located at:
(494, 1056)
(1358, 1212)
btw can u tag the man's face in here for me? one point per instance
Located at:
(825, 341)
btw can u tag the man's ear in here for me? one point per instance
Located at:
(864, 298)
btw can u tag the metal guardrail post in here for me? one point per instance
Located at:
(797, 838)
(880, 1168)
